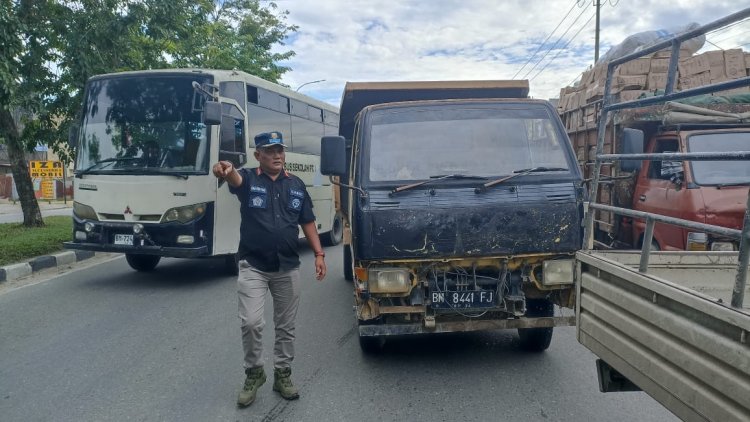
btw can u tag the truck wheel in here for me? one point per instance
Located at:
(537, 339)
(371, 345)
(348, 267)
(333, 237)
(143, 263)
(231, 264)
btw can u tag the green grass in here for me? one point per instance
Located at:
(19, 243)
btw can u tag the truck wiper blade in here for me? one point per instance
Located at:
(539, 170)
(516, 173)
(724, 185)
(457, 176)
(435, 179)
(104, 161)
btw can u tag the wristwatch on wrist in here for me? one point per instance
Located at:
(321, 254)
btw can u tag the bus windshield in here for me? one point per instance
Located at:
(720, 172)
(142, 125)
(470, 140)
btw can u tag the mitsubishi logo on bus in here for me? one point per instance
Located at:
(127, 210)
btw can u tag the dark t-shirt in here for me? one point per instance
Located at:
(271, 212)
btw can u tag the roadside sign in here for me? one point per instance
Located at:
(48, 189)
(46, 169)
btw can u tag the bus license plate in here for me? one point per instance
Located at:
(463, 299)
(124, 239)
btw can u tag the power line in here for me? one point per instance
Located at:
(564, 47)
(726, 28)
(730, 37)
(554, 45)
(545, 41)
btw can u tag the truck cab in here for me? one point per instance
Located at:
(709, 192)
(463, 209)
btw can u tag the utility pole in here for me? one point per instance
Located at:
(598, 4)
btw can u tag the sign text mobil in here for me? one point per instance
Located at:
(46, 169)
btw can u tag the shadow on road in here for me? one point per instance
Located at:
(169, 274)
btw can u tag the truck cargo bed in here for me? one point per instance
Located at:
(670, 331)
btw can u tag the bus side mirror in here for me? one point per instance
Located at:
(333, 155)
(212, 113)
(632, 143)
(73, 136)
(238, 159)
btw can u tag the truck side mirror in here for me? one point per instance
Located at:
(333, 155)
(73, 136)
(632, 143)
(212, 113)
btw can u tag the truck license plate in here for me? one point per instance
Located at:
(124, 239)
(462, 299)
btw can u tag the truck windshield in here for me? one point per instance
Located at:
(142, 123)
(720, 172)
(483, 141)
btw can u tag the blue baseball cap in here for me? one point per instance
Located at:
(268, 139)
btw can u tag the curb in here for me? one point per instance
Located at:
(24, 269)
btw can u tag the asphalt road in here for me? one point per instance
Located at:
(104, 343)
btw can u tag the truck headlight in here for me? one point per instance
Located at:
(184, 214)
(388, 280)
(697, 242)
(723, 246)
(557, 272)
(84, 212)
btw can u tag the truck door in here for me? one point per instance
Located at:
(660, 190)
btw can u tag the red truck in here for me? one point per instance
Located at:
(712, 192)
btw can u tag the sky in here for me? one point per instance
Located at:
(549, 42)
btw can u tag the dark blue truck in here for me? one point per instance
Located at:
(463, 205)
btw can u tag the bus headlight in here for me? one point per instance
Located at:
(84, 212)
(184, 214)
(388, 280)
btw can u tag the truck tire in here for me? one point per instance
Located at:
(537, 339)
(143, 263)
(231, 264)
(334, 237)
(348, 267)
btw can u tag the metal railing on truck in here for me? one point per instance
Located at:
(650, 330)
(743, 236)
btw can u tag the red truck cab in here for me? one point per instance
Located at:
(711, 192)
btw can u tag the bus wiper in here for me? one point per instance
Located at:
(153, 170)
(435, 179)
(516, 173)
(100, 162)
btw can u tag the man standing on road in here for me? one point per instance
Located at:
(273, 204)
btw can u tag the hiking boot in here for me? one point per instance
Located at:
(282, 382)
(255, 378)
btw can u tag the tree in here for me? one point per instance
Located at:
(27, 83)
(51, 47)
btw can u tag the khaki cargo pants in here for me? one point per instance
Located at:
(252, 286)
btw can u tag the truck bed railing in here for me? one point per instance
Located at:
(669, 95)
